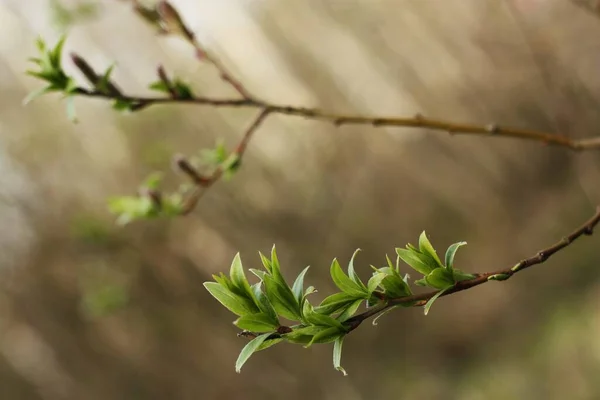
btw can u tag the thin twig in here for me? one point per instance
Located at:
(540, 257)
(201, 185)
(417, 121)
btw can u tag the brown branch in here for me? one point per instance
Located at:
(417, 121)
(590, 6)
(167, 19)
(540, 257)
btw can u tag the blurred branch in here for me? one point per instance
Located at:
(166, 19)
(591, 6)
(540, 257)
(236, 157)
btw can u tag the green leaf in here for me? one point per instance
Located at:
(103, 84)
(298, 287)
(440, 278)
(327, 335)
(248, 350)
(71, 113)
(268, 343)
(260, 274)
(337, 355)
(352, 274)
(395, 286)
(344, 283)
(375, 281)
(233, 302)
(266, 262)
(433, 299)
(224, 281)
(159, 86)
(56, 53)
(350, 310)
(259, 322)
(334, 303)
(124, 105)
(36, 93)
(183, 90)
(421, 282)
(276, 270)
(263, 303)
(153, 180)
(316, 318)
(461, 276)
(427, 249)
(129, 208)
(451, 252)
(238, 277)
(282, 299)
(415, 260)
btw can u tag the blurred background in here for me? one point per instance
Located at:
(92, 310)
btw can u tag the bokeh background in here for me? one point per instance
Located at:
(92, 310)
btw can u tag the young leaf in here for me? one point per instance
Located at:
(461, 276)
(224, 281)
(238, 277)
(153, 180)
(268, 343)
(375, 281)
(259, 322)
(326, 335)
(282, 299)
(71, 113)
(433, 299)
(233, 302)
(298, 287)
(344, 283)
(159, 86)
(352, 274)
(303, 335)
(395, 286)
(248, 350)
(415, 260)
(263, 303)
(440, 278)
(266, 262)
(335, 303)
(315, 318)
(426, 248)
(337, 355)
(350, 310)
(451, 252)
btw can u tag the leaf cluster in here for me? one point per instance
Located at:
(260, 307)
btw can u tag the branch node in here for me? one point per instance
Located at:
(492, 128)
(542, 255)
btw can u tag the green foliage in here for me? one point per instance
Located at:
(177, 88)
(150, 204)
(219, 157)
(64, 17)
(50, 70)
(436, 275)
(261, 306)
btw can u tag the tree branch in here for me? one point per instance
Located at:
(204, 183)
(540, 257)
